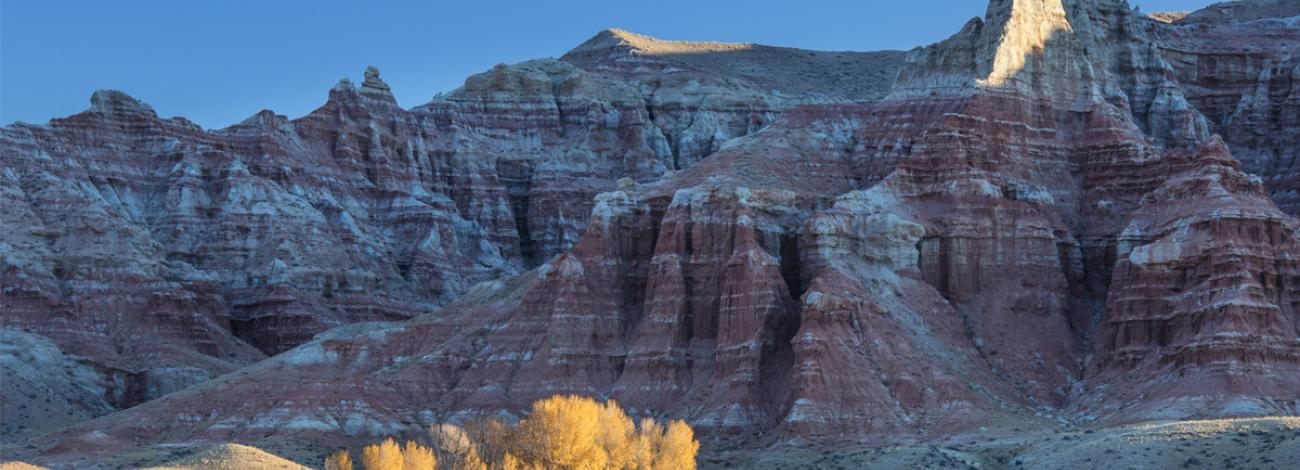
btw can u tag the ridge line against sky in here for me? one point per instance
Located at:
(219, 62)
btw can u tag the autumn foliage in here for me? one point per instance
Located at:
(561, 432)
(341, 460)
(386, 455)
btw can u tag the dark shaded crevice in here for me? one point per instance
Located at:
(689, 284)
(675, 147)
(791, 267)
(1099, 258)
(1070, 257)
(246, 330)
(130, 388)
(276, 332)
(636, 278)
(619, 362)
(777, 363)
(560, 113)
(933, 260)
(527, 246)
(329, 286)
(517, 178)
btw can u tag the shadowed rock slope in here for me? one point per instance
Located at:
(1041, 219)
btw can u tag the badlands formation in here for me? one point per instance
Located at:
(1069, 214)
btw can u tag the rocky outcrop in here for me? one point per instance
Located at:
(1238, 64)
(705, 94)
(1038, 221)
(271, 229)
(130, 226)
(1201, 318)
(48, 388)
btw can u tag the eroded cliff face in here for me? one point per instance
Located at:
(149, 245)
(1202, 313)
(705, 94)
(1039, 218)
(1237, 63)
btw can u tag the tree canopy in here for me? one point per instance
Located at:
(560, 432)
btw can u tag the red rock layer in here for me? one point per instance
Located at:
(1237, 65)
(1202, 314)
(1034, 221)
(132, 230)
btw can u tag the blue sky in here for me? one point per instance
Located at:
(217, 62)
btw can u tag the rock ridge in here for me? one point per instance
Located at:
(1062, 213)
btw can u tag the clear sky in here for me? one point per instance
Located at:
(220, 61)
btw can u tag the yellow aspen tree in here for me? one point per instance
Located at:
(510, 462)
(648, 442)
(471, 461)
(562, 432)
(341, 460)
(455, 448)
(678, 448)
(566, 427)
(491, 439)
(617, 436)
(370, 457)
(526, 441)
(386, 455)
(418, 457)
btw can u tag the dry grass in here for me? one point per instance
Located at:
(840, 75)
(231, 457)
(19, 466)
(656, 46)
(1261, 443)
(1168, 16)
